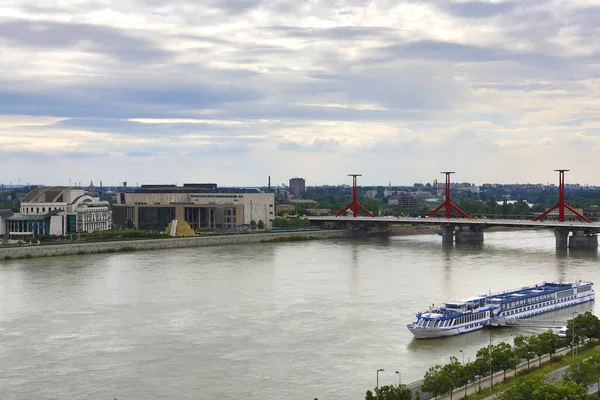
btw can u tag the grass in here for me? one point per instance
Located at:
(289, 239)
(547, 367)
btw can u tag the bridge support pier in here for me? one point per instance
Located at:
(447, 233)
(582, 240)
(466, 235)
(562, 237)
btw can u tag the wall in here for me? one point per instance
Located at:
(156, 244)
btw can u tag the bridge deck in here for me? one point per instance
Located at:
(484, 223)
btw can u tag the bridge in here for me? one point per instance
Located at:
(582, 233)
(462, 230)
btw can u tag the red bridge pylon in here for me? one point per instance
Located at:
(355, 202)
(447, 203)
(561, 205)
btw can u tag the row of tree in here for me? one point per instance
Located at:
(444, 379)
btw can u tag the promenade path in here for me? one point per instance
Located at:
(484, 382)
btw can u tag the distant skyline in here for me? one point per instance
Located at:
(232, 91)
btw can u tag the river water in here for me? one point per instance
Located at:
(298, 320)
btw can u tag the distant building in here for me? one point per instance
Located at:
(297, 186)
(56, 210)
(371, 194)
(153, 207)
(403, 201)
(285, 208)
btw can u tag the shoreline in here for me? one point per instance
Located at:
(53, 250)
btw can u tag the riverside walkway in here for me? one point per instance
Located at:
(484, 382)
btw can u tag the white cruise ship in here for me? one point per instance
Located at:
(454, 318)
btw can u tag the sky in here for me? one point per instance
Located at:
(235, 91)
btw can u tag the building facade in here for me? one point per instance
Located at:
(153, 207)
(57, 210)
(297, 186)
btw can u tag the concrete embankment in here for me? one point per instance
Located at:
(31, 251)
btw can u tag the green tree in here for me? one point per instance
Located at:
(538, 347)
(522, 389)
(436, 382)
(503, 355)
(253, 223)
(5, 239)
(587, 325)
(260, 224)
(581, 372)
(523, 349)
(551, 340)
(455, 371)
(389, 393)
(560, 391)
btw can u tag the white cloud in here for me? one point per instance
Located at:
(497, 90)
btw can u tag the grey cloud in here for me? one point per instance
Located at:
(476, 9)
(138, 128)
(335, 33)
(455, 52)
(91, 38)
(142, 96)
(317, 146)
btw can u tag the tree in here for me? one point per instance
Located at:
(523, 349)
(253, 223)
(587, 325)
(503, 356)
(455, 371)
(551, 340)
(538, 347)
(260, 224)
(581, 372)
(436, 382)
(5, 239)
(522, 389)
(595, 362)
(389, 393)
(560, 391)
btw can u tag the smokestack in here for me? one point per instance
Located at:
(269, 181)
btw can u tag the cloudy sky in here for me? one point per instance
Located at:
(232, 91)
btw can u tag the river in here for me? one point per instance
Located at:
(299, 320)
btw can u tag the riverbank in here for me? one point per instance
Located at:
(34, 251)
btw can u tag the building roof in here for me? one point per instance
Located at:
(191, 189)
(49, 194)
(6, 213)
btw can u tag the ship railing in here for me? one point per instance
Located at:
(516, 290)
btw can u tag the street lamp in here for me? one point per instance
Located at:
(516, 356)
(380, 369)
(463, 357)
(399, 378)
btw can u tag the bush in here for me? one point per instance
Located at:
(556, 358)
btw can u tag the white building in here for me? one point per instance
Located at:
(152, 207)
(58, 210)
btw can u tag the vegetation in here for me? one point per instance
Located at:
(290, 223)
(400, 392)
(535, 388)
(443, 379)
(118, 234)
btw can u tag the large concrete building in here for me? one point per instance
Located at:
(297, 186)
(56, 210)
(152, 207)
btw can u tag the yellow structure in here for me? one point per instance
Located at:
(179, 227)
